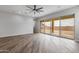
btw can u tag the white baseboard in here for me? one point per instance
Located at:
(14, 35)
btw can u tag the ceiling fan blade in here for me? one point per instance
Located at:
(29, 7)
(34, 6)
(34, 12)
(40, 8)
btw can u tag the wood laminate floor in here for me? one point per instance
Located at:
(38, 43)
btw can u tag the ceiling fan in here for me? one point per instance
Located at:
(35, 9)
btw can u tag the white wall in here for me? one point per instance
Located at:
(12, 24)
(37, 26)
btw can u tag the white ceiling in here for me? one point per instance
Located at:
(22, 10)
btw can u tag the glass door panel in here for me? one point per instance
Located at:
(48, 27)
(55, 26)
(67, 28)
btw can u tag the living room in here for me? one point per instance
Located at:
(39, 28)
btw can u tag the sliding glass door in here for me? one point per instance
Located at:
(61, 26)
(67, 27)
(48, 26)
(55, 26)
